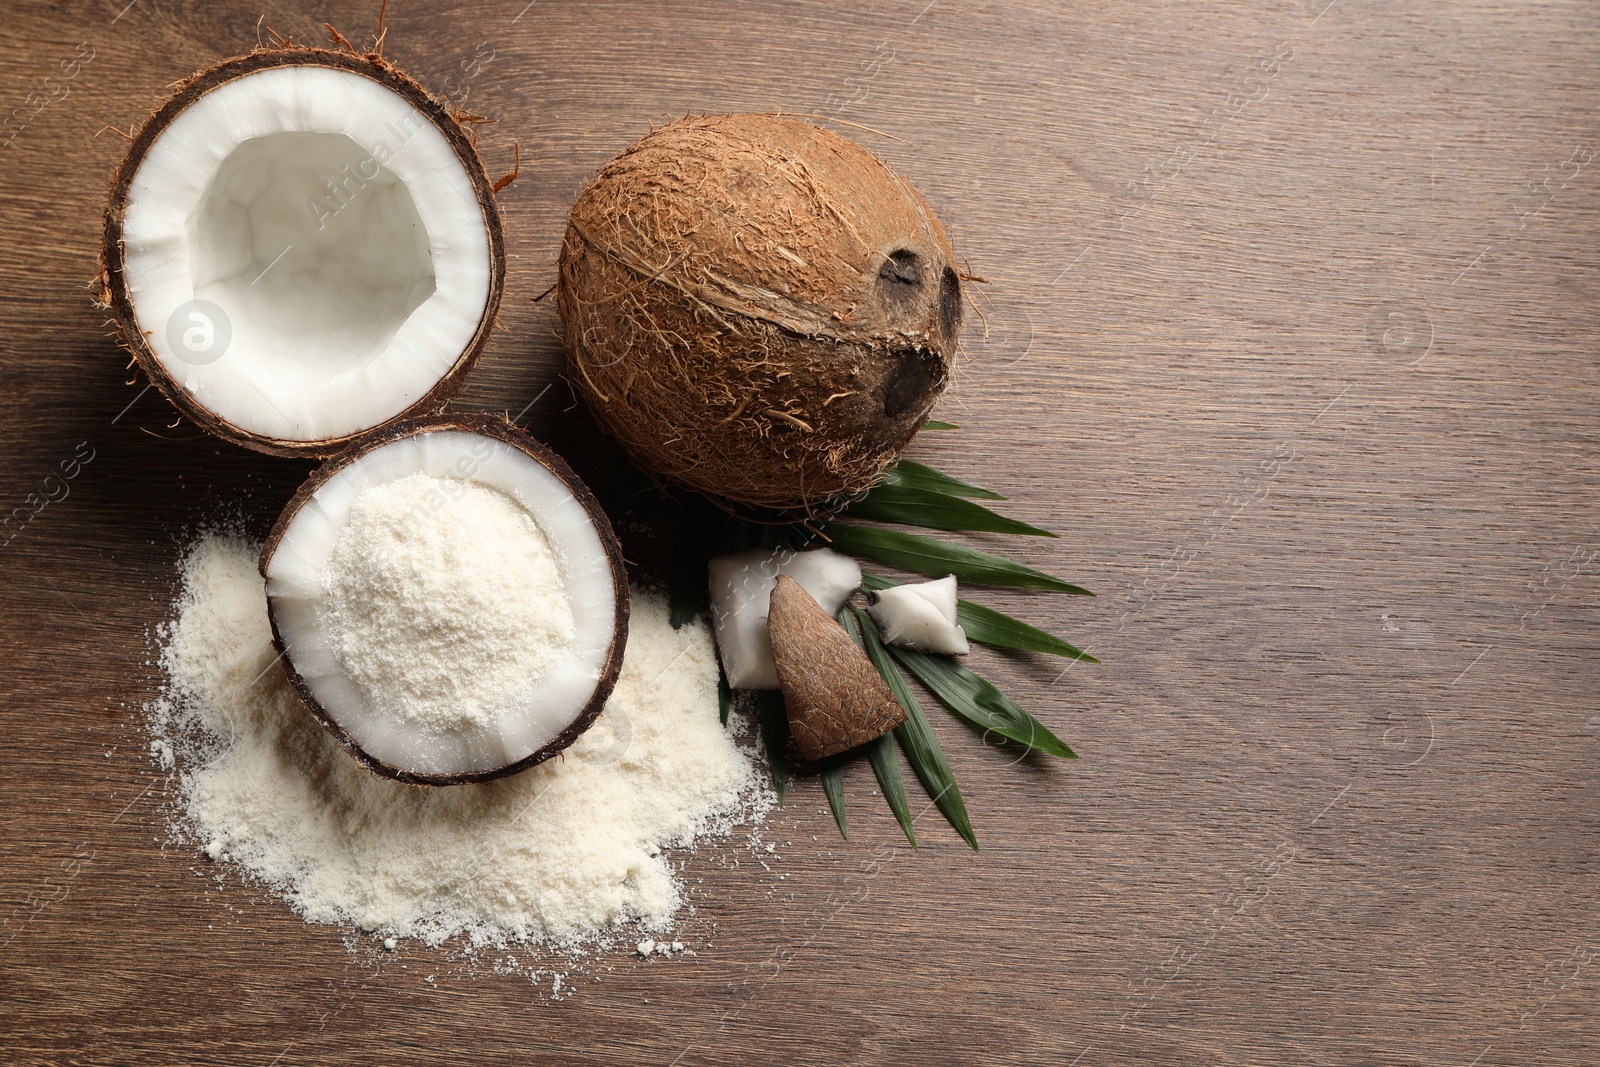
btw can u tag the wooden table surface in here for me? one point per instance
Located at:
(1293, 311)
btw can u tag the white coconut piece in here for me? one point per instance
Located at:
(920, 616)
(741, 593)
(304, 254)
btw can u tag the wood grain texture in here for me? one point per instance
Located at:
(1292, 320)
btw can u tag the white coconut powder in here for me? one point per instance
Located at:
(562, 853)
(445, 600)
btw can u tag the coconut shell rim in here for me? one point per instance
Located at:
(498, 429)
(114, 294)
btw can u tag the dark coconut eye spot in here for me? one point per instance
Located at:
(950, 303)
(913, 382)
(899, 278)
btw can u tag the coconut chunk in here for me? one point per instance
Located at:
(834, 698)
(920, 616)
(741, 592)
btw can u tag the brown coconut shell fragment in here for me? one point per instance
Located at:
(834, 697)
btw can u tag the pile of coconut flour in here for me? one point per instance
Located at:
(564, 853)
(444, 623)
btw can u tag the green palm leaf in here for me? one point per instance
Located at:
(925, 555)
(999, 630)
(909, 472)
(885, 764)
(913, 505)
(916, 736)
(832, 776)
(979, 702)
(775, 734)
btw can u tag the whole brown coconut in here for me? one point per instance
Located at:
(758, 308)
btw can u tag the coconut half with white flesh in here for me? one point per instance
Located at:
(449, 600)
(302, 247)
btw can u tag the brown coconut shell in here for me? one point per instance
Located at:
(502, 431)
(113, 285)
(834, 697)
(758, 308)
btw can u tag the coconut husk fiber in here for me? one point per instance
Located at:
(758, 308)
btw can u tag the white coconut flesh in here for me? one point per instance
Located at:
(484, 684)
(336, 230)
(920, 616)
(741, 595)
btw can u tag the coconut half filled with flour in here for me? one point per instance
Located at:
(302, 246)
(449, 600)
